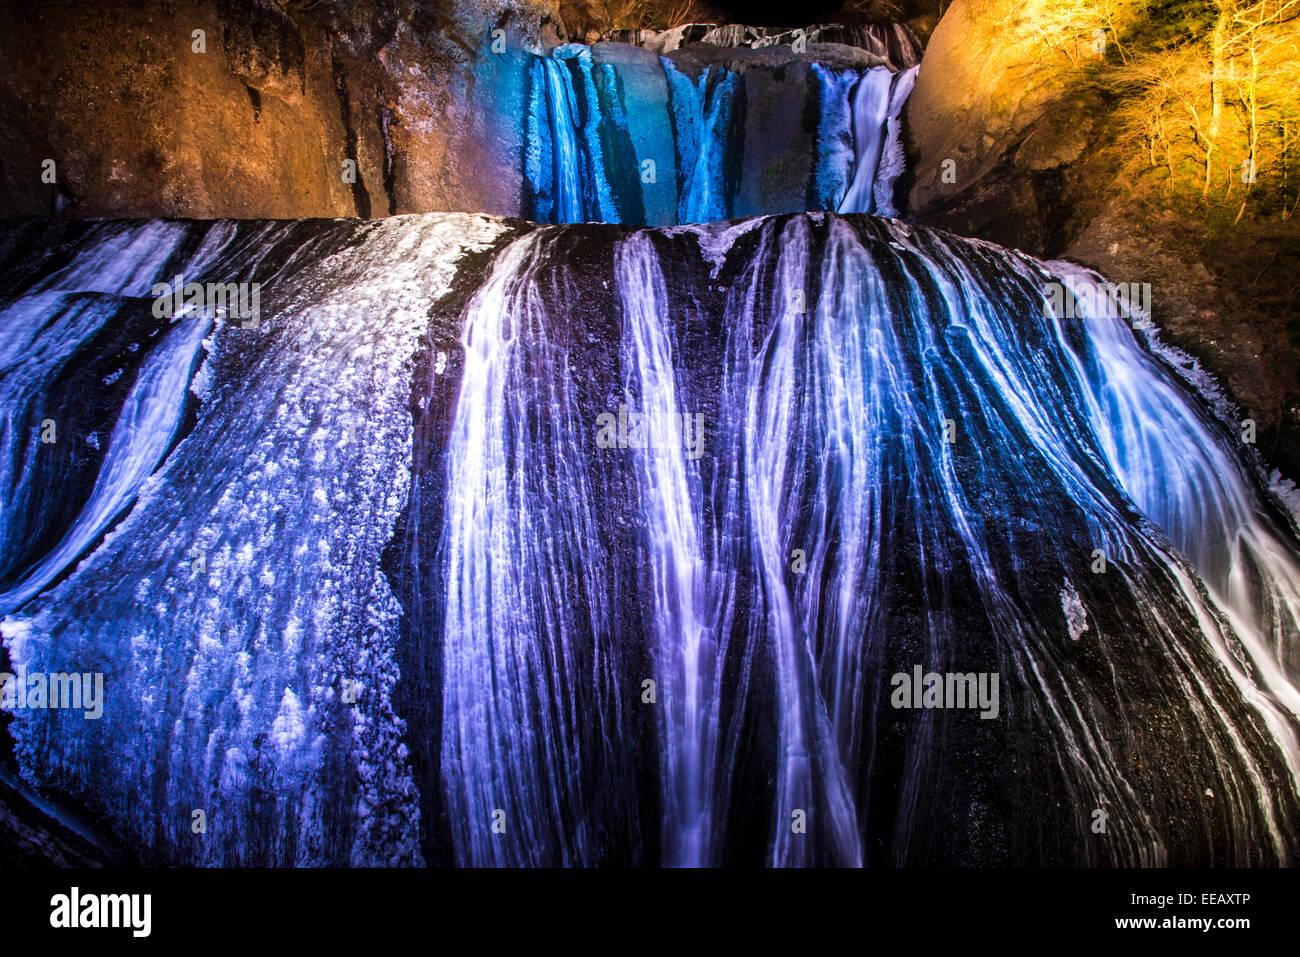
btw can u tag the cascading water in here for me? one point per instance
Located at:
(139, 440)
(878, 99)
(703, 117)
(237, 611)
(529, 668)
(828, 359)
(1240, 551)
(564, 147)
(567, 127)
(613, 137)
(503, 544)
(824, 356)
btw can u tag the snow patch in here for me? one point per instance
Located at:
(1076, 616)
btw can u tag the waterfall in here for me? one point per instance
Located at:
(702, 121)
(141, 437)
(236, 609)
(607, 134)
(74, 339)
(568, 199)
(908, 462)
(566, 160)
(492, 560)
(527, 666)
(878, 99)
(810, 775)
(1241, 551)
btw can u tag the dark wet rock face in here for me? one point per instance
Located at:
(33, 836)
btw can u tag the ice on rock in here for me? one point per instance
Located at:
(1075, 615)
(207, 704)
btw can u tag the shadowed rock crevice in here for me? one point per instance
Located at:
(360, 195)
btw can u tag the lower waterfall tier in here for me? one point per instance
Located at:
(799, 540)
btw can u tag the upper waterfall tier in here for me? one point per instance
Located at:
(710, 131)
(472, 114)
